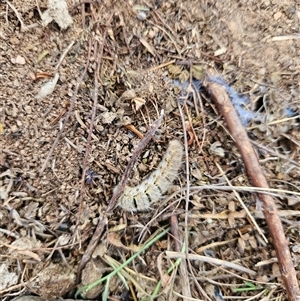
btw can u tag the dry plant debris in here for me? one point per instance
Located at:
(120, 63)
(255, 173)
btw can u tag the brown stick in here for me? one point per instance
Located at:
(255, 173)
(103, 219)
(143, 143)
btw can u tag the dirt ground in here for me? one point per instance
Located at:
(62, 153)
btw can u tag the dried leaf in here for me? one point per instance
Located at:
(220, 51)
(189, 129)
(175, 70)
(57, 11)
(114, 239)
(198, 72)
(108, 117)
(241, 245)
(217, 150)
(7, 279)
(138, 102)
(165, 278)
(184, 76)
(148, 46)
(48, 87)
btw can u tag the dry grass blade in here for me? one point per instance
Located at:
(211, 260)
(155, 237)
(243, 204)
(183, 269)
(148, 46)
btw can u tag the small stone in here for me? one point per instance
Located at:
(141, 16)
(108, 117)
(16, 83)
(14, 128)
(277, 16)
(14, 41)
(19, 60)
(28, 109)
(261, 71)
(153, 32)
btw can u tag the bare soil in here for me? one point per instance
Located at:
(56, 182)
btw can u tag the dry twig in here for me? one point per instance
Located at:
(118, 191)
(23, 26)
(187, 196)
(186, 290)
(88, 144)
(256, 175)
(135, 155)
(74, 97)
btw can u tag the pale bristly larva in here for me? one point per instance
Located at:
(149, 191)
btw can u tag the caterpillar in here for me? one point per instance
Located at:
(150, 190)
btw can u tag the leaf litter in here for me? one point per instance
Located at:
(242, 43)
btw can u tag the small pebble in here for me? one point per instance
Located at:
(141, 16)
(18, 60)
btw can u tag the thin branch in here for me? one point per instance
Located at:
(74, 97)
(62, 57)
(102, 219)
(23, 26)
(186, 288)
(143, 143)
(187, 197)
(89, 138)
(119, 189)
(256, 175)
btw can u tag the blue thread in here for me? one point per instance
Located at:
(289, 112)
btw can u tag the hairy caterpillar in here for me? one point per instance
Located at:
(152, 188)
